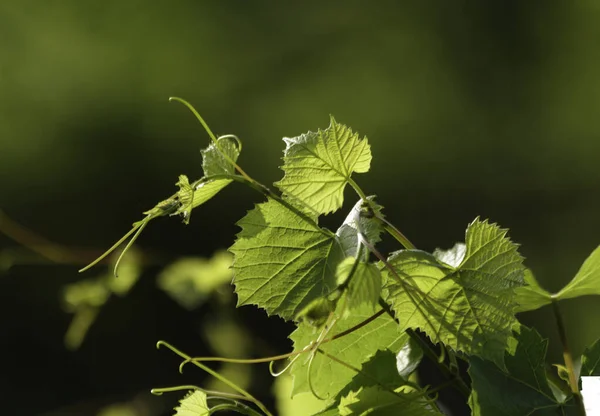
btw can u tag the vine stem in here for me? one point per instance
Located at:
(218, 376)
(212, 136)
(567, 356)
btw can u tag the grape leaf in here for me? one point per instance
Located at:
(521, 390)
(590, 360)
(532, 296)
(213, 161)
(193, 404)
(283, 261)
(376, 401)
(318, 166)
(587, 279)
(359, 219)
(408, 358)
(190, 198)
(469, 308)
(330, 377)
(381, 371)
(365, 283)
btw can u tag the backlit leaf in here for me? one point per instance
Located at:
(283, 261)
(587, 279)
(319, 165)
(193, 404)
(360, 219)
(376, 401)
(365, 283)
(355, 348)
(213, 161)
(531, 296)
(469, 308)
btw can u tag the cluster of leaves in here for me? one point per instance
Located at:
(363, 316)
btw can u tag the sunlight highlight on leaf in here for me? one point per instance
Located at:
(531, 296)
(354, 349)
(360, 220)
(318, 166)
(469, 308)
(376, 401)
(282, 262)
(587, 279)
(364, 286)
(193, 404)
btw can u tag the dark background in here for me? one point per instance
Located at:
(471, 108)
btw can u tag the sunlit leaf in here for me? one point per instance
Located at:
(360, 219)
(408, 358)
(193, 404)
(365, 283)
(190, 281)
(376, 401)
(587, 279)
(319, 165)
(317, 312)
(330, 377)
(190, 198)
(213, 161)
(531, 296)
(469, 308)
(282, 261)
(524, 386)
(299, 405)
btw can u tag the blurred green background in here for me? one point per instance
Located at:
(471, 108)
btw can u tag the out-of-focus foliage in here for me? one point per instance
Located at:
(189, 281)
(85, 298)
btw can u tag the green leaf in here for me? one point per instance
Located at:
(213, 161)
(376, 401)
(532, 296)
(193, 404)
(282, 261)
(329, 377)
(317, 312)
(408, 358)
(470, 307)
(379, 370)
(190, 280)
(590, 360)
(318, 166)
(190, 198)
(522, 389)
(365, 283)
(587, 279)
(300, 405)
(360, 219)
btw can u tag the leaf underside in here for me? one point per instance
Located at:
(318, 165)
(282, 261)
(469, 308)
(330, 377)
(376, 401)
(193, 404)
